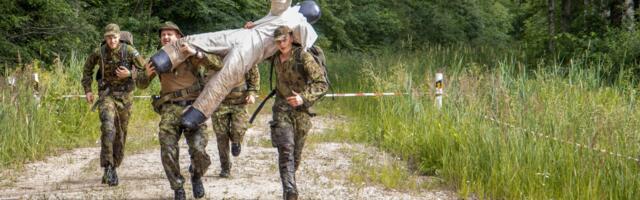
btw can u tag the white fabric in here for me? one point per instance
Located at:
(243, 48)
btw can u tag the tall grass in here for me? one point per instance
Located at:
(485, 159)
(33, 129)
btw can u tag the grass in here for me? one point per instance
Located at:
(478, 157)
(33, 129)
(481, 158)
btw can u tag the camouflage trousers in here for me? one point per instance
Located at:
(230, 123)
(114, 116)
(169, 135)
(288, 133)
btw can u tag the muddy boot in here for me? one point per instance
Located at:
(291, 195)
(105, 176)
(113, 181)
(179, 194)
(225, 173)
(198, 188)
(235, 149)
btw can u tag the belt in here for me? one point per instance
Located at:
(182, 103)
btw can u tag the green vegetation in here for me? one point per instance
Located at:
(485, 159)
(35, 128)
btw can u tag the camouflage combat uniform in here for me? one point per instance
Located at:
(231, 119)
(115, 98)
(181, 88)
(290, 125)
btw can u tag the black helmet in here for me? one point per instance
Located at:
(310, 10)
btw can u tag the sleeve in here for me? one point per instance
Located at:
(305, 34)
(277, 8)
(317, 85)
(253, 80)
(209, 61)
(87, 73)
(137, 70)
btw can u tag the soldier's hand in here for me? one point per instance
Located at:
(187, 50)
(89, 97)
(123, 72)
(249, 25)
(294, 101)
(251, 99)
(149, 69)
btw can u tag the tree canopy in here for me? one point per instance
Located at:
(46, 30)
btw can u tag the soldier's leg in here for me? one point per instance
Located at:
(169, 136)
(282, 134)
(108, 129)
(239, 123)
(220, 122)
(122, 124)
(302, 126)
(239, 126)
(200, 161)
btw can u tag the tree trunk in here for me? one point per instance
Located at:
(629, 14)
(567, 9)
(552, 24)
(616, 8)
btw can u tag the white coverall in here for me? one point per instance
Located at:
(241, 49)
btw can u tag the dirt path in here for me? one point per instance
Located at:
(323, 174)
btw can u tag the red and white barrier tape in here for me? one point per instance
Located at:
(603, 151)
(360, 94)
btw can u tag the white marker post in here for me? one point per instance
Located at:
(439, 89)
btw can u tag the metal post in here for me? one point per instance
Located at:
(439, 89)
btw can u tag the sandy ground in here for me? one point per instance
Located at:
(323, 175)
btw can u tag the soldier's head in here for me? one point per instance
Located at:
(169, 32)
(283, 37)
(112, 35)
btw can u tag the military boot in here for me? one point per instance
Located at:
(235, 149)
(198, 188)
(105, 176)
(291, 195)
(114, 177)
(179, 194)
(196, 184)
(225, 173)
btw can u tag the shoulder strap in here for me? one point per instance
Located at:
(273, 63)
(124, 61)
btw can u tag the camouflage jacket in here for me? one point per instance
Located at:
(193, 71)
(108, 61)
(306, 78)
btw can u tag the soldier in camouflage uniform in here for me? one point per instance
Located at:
(178, 91)
(300, 82)
(118, 63)
(231, 119)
